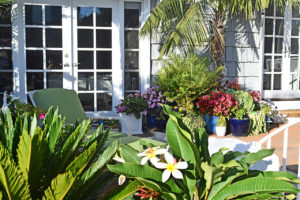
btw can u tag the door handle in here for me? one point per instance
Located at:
(66, 65)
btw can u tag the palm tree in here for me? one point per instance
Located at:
(187, 24)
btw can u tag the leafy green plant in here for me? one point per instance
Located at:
(245, 100)
(193, 121)
(53, 161)
(221, 121)
(257, 123)
(183, 79)
(240, 114)
(189, 172)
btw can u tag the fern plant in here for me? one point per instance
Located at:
(183, 79)
(53, 161)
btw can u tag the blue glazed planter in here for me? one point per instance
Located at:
(211, 123)
(268, 121)
(154, 123)
(239, 127)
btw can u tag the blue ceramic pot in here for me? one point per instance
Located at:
(268, 121)
(239, 127)
(154, 123)
(211, 123)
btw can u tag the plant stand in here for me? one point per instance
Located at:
(130, 125)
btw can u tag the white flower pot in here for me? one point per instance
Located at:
(221, 130)
(131, 125)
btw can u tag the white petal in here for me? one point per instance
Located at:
(182, 165)
(144, 160)
(169, 158)
(160, 151)
(154, 160)
(119, 160)
(177, 174)
(160, 165)
(141, 154)
(165, 176)
(121, 179)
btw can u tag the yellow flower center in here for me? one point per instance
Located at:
(150, 153)
(170, 167)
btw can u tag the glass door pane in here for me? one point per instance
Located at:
(44, 46)
(94, 57)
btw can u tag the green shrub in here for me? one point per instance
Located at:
(193, 121)
(220, 176)
(52, 161)
(183, 79)
(245, 100)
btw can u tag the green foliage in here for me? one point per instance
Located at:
(220, 176)
(221, 121)
(193, 121)
(51, 162)
(183, 79)
(240, 114)
(245, 100)
(257, 123)
(133, 104)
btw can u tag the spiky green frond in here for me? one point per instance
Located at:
(11, 178)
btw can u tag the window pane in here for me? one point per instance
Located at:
(278, 64)
(34, 59)
(267, 63)
(85, 38)
(103, 38)
(132, 18)
(294, 45)
(277, 82)
(104, 60)
(104, 102)
(104, 81)
(85, 60)
(294, 63)
(5, 59)
(53, 15)
(6, 83)
(54, 59)
(85, 81)
(87, 101)
(279, 26)
(131, 60)
(267, 82)
(33, 15)
(85, 16)
(269, 27)
(296, 12)
(293, 81)
(131, 39)
(103, 17)
(5, 37)
(270, 10)
(53, 37)
(54, 79)
(268, 44)
(295, 27)
(278, 45)
(34, 37)
(280, 12)
(132, 81)
(5, 14)
(35, 81)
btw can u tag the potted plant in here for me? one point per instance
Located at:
(130, 110)
(239, 124)
(221, 126)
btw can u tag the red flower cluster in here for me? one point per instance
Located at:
(234, 84)
(217, 104)
(147, 193)
(256, 95)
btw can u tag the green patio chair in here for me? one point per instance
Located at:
(69, 106)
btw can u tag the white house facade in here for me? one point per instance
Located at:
(92, 47)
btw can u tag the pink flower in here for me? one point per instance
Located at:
(42, 116)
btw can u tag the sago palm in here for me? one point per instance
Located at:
(187, 24)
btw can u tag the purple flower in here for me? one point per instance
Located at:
(144, 112)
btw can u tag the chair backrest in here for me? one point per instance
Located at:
(66, 100)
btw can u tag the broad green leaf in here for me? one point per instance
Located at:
(143, 171)
(33, 125)
(129, 154)
(217, 158)
(60, 187)
(150, 184)
(11, 178)
(201, 139)
(255, 185)
(126, 190)
(55, 129)
(10, 128)
(212, 174)
(82, 160)
(252, 158)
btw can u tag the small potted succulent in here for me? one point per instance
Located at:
(239, 124)
(221, 126)
(130, 110)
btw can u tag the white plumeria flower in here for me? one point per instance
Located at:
(150, 154)
(121, 179)
(171, 167)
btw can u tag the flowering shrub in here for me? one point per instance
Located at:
(256, 95)
(217, 104)
(234, 84)
(133, 104)
(154, 98)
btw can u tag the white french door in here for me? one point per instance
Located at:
(281, 66)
